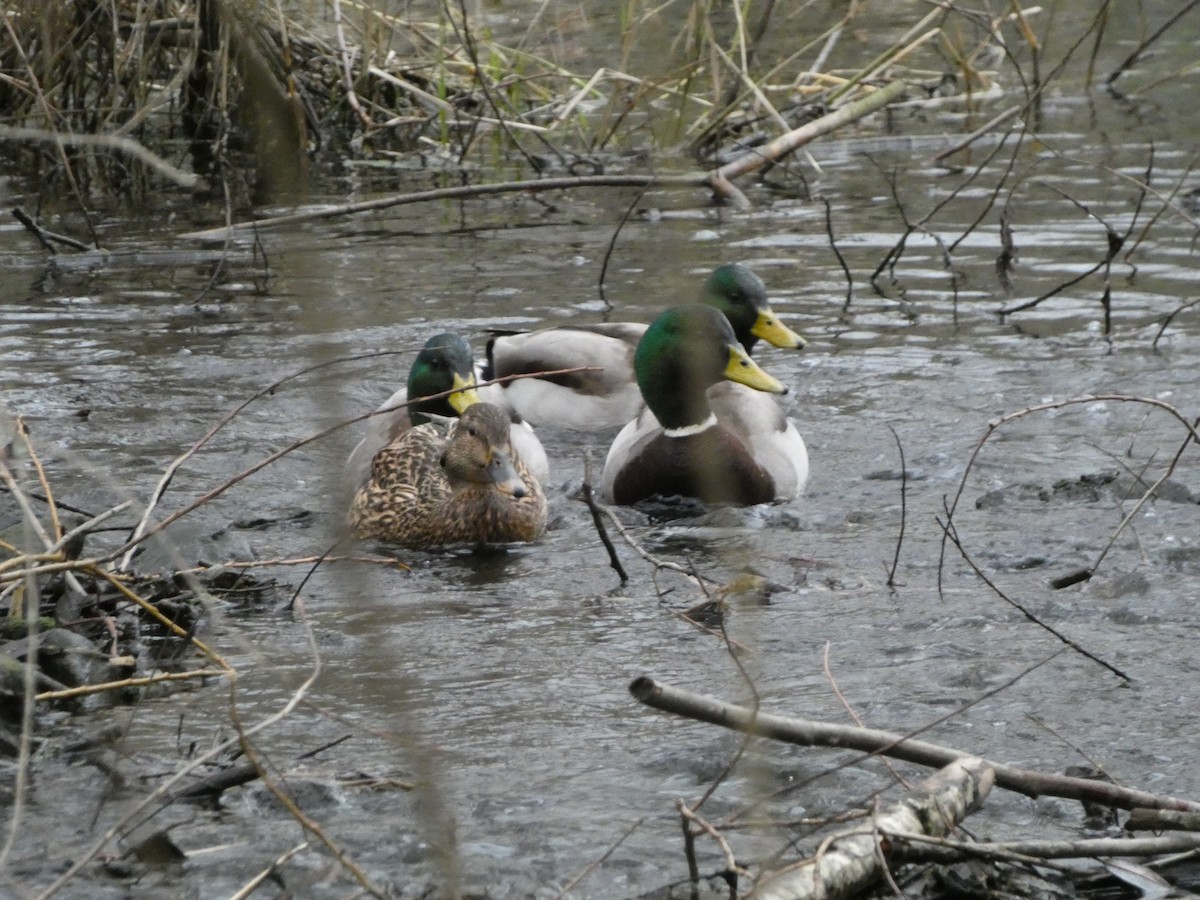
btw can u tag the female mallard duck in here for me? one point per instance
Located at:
(609, 397)
(695, 439)
(444, 364)
(430, 490)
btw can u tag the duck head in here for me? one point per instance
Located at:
(685, 351)
(444, 364)
(741, 295)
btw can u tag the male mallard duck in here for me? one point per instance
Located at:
(429, 490)
(444, 364)
(593, 401)
(698, 442)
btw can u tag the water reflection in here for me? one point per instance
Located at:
(504, 675)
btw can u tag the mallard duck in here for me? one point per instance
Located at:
(609, 397)
(443, 364)
(696, 439)
(428, 489)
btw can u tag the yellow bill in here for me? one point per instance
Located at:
(464, 393)
(774, 332)
(742, 369)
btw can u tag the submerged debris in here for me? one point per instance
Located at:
(95, 633)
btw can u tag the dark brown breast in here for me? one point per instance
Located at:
(713, 466)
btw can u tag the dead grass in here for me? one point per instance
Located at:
(255, 94)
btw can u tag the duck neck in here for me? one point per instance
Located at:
(689, 430)
(680, 410)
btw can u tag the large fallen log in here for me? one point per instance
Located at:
(851, 861)
(869, 740)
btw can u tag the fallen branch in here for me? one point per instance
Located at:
(127, 146)
(452, 193)
(807, 733)
(718, 180)
(914, 848)
(851, 861)
(755, 159)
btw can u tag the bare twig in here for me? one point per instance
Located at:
(46, 238)
(838, 254)
(913, 848)
(950, 533)
(592, 866)
(347, 66)
(891, 581)
(612, 242)
(253, 884)
(1193, 435)
(732, 870)
(1141, 48)
(86, 689)
(589, 498)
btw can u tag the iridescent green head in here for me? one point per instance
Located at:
(444, 364)
(685, 351)
(742, 297)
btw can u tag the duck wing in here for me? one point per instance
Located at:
(758, 420)
(603, 396)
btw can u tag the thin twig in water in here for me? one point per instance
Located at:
(452, 193)
(837, 692)
(84, 690)
(590, 499)
(806, 782)
(612, 241)
(592, 866)
(1169, 318)
(979, 132)
(313, 569)
(252, 754)
(254, 883)
(755, 702)
(125, 145)
(732, 869)
(1114, 243)
(996, 424)
(46, 238)
(1141, 48)
(952, 535)
(891, 581)
(838, 254)
(697, 580)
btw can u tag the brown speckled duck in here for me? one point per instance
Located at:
(444, 364)
(429, 490)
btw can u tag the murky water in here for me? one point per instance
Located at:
(498, 685)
